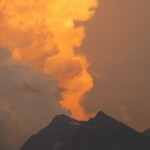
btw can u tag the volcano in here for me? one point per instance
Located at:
(101, 132)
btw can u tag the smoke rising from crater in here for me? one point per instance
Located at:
(43, 35)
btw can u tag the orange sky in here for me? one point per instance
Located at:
(117, 48)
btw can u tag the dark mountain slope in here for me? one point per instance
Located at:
(54, 135)
(105, 133)
(147, 132)
(99, 133)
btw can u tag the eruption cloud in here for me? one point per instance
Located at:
(43, 35)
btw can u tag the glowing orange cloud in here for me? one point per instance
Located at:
(43, 35)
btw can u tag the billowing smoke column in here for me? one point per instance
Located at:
(43, 35)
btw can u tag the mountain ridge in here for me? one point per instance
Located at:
(147, 132)
(101, 132)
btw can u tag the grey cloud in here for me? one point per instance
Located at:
(28, 101)
(25, 87)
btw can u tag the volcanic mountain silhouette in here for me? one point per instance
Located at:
(99, 133)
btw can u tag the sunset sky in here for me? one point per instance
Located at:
(118, 47)
(108, 71)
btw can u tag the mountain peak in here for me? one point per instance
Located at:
(102, 117)
(61, 116)
(105, 122)
(61, 119)
(101, 114)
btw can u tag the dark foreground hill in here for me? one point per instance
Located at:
(99, 133)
